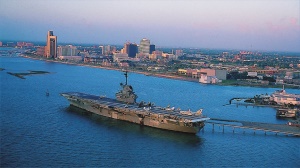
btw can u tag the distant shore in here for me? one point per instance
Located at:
(161, 75)
(118, 69)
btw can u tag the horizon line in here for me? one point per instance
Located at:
(207, 48)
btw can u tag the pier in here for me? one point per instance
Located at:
(255, 126)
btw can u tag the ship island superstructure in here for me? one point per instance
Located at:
(125, 107)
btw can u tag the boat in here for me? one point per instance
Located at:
(294, 123)
(283, 98)
(286, 113)
(124, 107)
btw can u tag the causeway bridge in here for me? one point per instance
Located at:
(255, 126)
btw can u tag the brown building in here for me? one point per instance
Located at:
(51, 45)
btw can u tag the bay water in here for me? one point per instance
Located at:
(43, 131)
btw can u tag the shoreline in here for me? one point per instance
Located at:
(160, 75)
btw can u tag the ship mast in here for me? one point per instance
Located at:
(126, 76)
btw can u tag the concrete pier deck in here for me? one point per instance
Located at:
(266, 127)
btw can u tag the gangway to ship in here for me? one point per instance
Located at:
(255, 126)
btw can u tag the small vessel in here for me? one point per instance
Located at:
(286, 113)
(294, 123)
(47, 93)
(124, 107)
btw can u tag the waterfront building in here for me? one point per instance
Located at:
(51, 45)
(144, 46)
(220, 74)
(204, 78)
(93, 59)
(67, 50)
(212, 75)
(106, 62)
(194, 73)
(281, 97)
(68, 53)
(205, 75)
(71, 58)
(182, 71)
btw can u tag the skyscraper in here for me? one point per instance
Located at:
(132, 50)
(51, 45)
(144, 46)
(152, 48)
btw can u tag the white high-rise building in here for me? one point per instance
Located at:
(144, 46)
(68, 50)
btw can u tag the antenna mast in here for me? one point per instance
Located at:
(126, 76)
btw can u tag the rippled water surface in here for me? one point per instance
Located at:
(42, 131)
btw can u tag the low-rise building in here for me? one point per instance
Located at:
(212, 75)
(170, 56)
(220, 74)
(204, 78)
(207, 74)
(40, 51)
(182, 71)
(252, 74)
(118, 57)
(71, 58)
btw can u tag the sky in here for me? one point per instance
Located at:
(265, 25)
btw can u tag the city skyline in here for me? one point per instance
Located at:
(247, 25)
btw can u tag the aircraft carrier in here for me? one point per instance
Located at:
(125, 107)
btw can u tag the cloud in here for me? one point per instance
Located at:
(284, 25)
(294, 22)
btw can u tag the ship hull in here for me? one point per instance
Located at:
(141, 117)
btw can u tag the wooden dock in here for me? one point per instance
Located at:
(255, 126)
